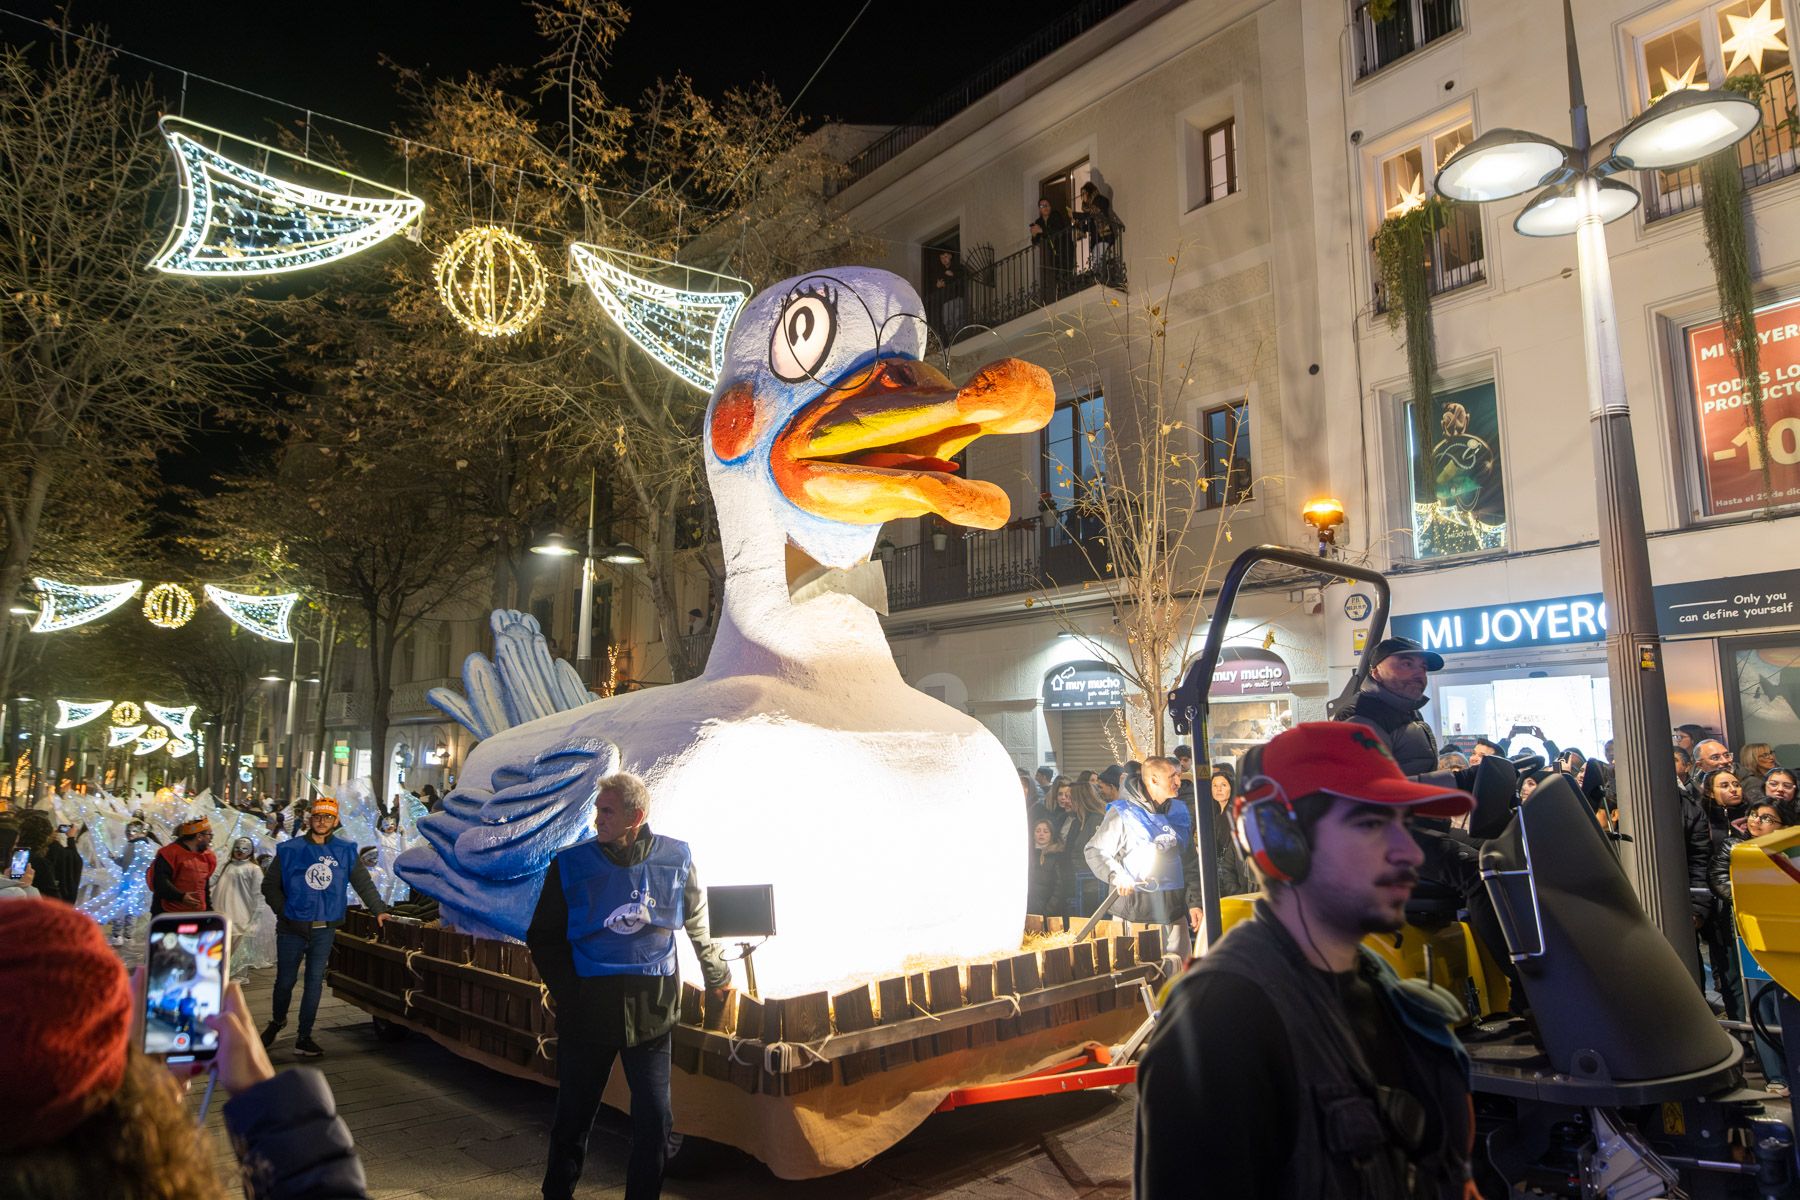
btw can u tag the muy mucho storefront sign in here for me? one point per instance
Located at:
(1249, 671)
(1079, 685)
(1737, 604)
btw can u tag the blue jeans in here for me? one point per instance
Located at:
(290, 948)
(582, 1066)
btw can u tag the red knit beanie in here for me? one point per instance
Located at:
(65, 1010)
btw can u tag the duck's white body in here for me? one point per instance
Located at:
(889, 823)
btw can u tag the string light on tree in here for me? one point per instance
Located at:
(71, 714)
(265, 616)
(123, 735)
(491, 281)
(684, 330)
(240, 221)
(125, 712)
(169, 606)
(66, 605)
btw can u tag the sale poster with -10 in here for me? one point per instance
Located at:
(1732, 457)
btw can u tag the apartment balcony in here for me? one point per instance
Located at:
(1768, 154)
(1412, 25)
(1024, 282)
(1023, 557)
(1455, 258)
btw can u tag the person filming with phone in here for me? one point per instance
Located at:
(305, 885)
(1290, 1063)
(92, 1113)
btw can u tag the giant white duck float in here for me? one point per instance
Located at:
(888, 822)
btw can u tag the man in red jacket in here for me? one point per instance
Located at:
(181, 875)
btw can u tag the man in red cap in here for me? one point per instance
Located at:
(181, 874)
(1290, 1063)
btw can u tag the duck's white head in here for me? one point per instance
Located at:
(826, 423)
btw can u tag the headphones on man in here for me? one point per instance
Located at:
(1266, 828)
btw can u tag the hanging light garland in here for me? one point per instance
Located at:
(124, 735)
(178, 721)
(151, 741)
(66, 605)
(240, 221)
(169, 606)
(491, 281)
(71, 714)
(265, 616)
(683, 329)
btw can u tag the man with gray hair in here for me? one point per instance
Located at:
(603, 937)
(1712, 755)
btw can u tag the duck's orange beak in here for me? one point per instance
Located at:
(880, 447)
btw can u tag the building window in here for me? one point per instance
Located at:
(1212, 162)
(1387, 30)
(1454, 484)
(1225, 454)
(1075, 464)
(1728, 455)
(1741, 44)
(437, 664)
(1405, 178)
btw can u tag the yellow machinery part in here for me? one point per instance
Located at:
(1765, 891)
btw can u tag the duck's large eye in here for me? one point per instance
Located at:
(803, 337)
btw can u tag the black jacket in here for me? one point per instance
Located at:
(290, 1142)
(1698, 843)
(1414, 745)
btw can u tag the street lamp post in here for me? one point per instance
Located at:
(619, 554)
(1579, 198)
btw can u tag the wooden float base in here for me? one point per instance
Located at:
(809, 1084)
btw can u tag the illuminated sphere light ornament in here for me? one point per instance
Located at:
(71, 714)
(169, 606)
(491, 280)
(125, 712)
(239, 221)
(806, 445)
(265, 616)
(66, 605)
(684, 330)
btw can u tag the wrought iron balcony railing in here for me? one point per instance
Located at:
(1059, 266)
(1410, 25)
(1025, 556)
(1455, 258)
(1771, 152)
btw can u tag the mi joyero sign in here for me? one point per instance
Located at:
(1080, 685)
(1563, 621)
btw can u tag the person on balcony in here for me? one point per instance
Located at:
(1102, 227)
(947, 294)
(1055, 240)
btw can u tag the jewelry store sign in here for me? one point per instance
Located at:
(1733, 605)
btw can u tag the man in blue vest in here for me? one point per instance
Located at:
(305, 885)
(603, 938)
(1290, 1063)
(1144, 848)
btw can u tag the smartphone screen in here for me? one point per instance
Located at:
(20, 860)
(184, 983)
(62, 829)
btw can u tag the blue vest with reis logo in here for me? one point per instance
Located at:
(313, 877)
(622, 920)
(1167, 832)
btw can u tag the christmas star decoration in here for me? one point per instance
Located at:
(265, 616)
(1412, 196)
(237, 220)
(682, 329)
(66, 605)
(1752, 37)
(1681, 82)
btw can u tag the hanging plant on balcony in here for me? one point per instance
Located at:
(1728, 246)
(1403, 255)
(1380, 10)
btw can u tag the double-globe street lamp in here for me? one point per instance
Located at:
(1579, 197)
(555, 545)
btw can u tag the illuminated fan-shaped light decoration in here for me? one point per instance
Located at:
(178, 721)
(179, 747)
(66, 605)
(265, 616)
(491, 281)
(126, 713)
(169, 606)
(682, 329)
(239, 221)
(73, 713)
(151, 742)
(120, 735)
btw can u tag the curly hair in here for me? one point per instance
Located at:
(140, 1145)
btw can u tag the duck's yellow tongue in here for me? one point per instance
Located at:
(881, 447)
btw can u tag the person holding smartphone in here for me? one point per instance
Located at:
(16, 880)
(305, 886)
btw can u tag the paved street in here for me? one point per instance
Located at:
(431, 1126)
